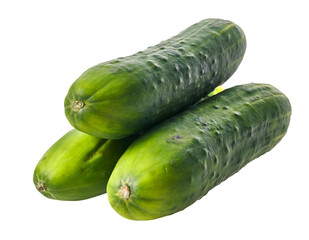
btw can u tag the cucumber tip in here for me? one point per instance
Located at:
(41, 187)
(77, 106)
(125, 192)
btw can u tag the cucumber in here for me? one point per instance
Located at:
(124, 96)
(178, 161)
(78, 166)
(216, 91)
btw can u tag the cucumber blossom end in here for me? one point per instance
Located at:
(77, 106)
(125, 192)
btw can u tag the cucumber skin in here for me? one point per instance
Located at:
(178, 161)
(78, 166)
(124, 96)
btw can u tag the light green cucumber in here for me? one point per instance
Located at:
(77, 166)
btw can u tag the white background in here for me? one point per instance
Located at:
(46, 45)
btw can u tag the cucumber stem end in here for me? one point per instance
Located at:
(41, 187)
(125, 192)
(77, 106)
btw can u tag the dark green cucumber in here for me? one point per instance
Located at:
(78, 166)
(178, 161)
(124, 96)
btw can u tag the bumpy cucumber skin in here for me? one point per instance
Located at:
(78, 166)
(178, 161)
(124, 96)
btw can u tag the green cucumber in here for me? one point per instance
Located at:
(179, 160)
(121, 97)
(78, 166)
